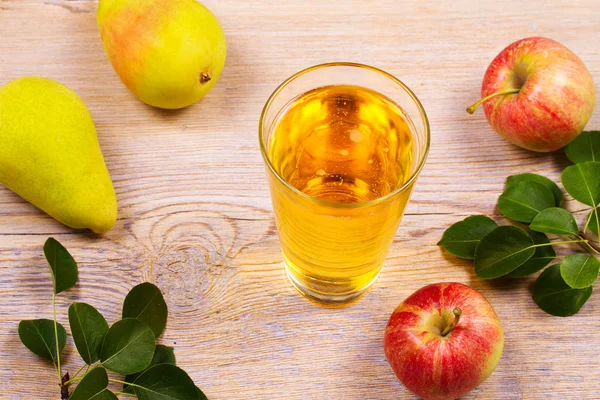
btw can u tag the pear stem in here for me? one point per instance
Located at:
(457, 313)
(205, 77)
(472, 108)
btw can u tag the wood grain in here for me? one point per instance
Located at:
(195, 214)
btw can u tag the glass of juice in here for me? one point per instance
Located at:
(343, 145)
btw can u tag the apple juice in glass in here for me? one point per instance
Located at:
(343, 144)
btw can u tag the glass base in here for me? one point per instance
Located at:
(341, 298)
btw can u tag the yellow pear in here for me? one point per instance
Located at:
(169, 53)
(50, 155)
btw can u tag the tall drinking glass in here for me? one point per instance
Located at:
(343, 145)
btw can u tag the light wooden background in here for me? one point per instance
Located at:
(195, 215)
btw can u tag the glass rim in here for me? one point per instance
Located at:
(331, 204)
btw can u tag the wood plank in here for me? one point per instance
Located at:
(195, 215)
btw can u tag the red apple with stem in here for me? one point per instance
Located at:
(537, 94)
(443, 341)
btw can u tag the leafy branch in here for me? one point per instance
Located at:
(536, 201)
(128, 347)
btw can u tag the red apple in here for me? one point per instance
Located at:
(537, 94)
(443, 341)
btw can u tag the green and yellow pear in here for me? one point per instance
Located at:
(169, 53)
(50, 155)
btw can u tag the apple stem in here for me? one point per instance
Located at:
(472, 108)
(457, 313)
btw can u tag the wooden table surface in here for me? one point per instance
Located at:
(195, 215)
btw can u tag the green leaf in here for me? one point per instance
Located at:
(462, 238)
(579, 271)
(527, 177)
(582, 182)
(585, 147)
(93, 386)
(88, 327)
(128, 347)
(554, 296)
(502, 251)
(165, 382)
(162, 355)
(103, 395)
(145, 302)
(542, 257)
(524, 200)
(201, 395)
(593, 225)
(62, 266)
(38, 336)
(555, 220)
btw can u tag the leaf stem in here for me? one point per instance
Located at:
(590, 244)
(56, 369)
(582, 240)
(122, 382)
(79, 370)
(125, 394)
(597, 223)
(471, 109)
(587, 223)
(125, 383)
(75, 379)
(60, 382)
